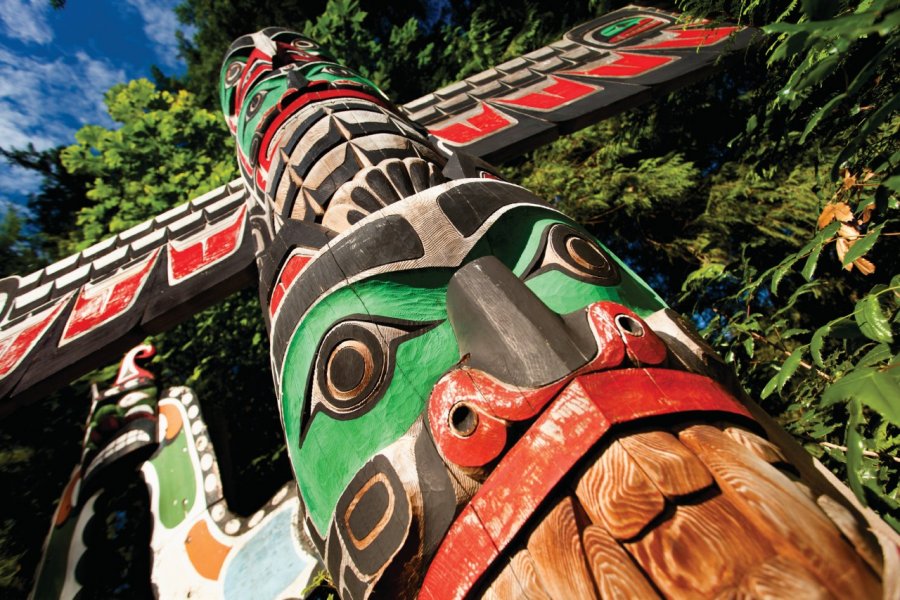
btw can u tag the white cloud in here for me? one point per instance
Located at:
(44, 102)
(160, 25)
(26, 20)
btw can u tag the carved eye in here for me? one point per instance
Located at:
(255, 103)
(233, 73)
(338, 71)
(302, 43)
(351, 364)
(569, 250)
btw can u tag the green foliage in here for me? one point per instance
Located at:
(833, 102)
(166, 151)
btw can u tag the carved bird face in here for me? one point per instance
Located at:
(269, 75)
(429, 337)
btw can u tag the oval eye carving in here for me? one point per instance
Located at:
(233, 73)
(302, 43)
(255, 103)
(352, 363)
(354, 366)
(569, 250)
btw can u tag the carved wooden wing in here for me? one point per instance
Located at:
(598, 69)
(77, 314)
(81, 312)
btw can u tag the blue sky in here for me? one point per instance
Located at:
(55, 66)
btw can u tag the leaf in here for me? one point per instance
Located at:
(748, 346)
(871, 319)
(835, 210)
(862, 245)
(815, 345)
(810, 267)
(880, 353)
(853, 441)
(789, 367)
(820, 114)
(877, 389)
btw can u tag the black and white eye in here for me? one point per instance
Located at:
(256, 103)
(338, 71)
(302, 43)
(355, 364)
(233, 73)
(351, 364)
(567, 249)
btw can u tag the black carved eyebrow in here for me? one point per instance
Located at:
(386, 240)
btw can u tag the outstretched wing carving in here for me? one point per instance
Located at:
(598, 69)
(81, 312)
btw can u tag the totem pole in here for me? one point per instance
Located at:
(197, 548)
(478, 398)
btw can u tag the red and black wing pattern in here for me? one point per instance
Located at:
(80, 312)
(598, 69)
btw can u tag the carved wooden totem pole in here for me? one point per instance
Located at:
(478, 398)
(199, 548)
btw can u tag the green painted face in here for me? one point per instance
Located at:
(407, 309)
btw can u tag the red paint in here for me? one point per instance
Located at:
(643, 349)
(645, 24)
(129, 368)
(102, 302)
(572, 425)
(258, 63)
(554, 95)
(628, 65)
(292, 268)
(688, 38)
(291, 109)
(18, 341)
(210, 246)
(487, 122)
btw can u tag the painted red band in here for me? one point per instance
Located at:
(572, 425)
(554, 95)
(18, 341)
(688, 38)
(628, 65)
(292, 268)
(487, 122)
(208, 247)
(264, 156)
(102, 302)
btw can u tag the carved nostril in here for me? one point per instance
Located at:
(629, 325)
(463, 419)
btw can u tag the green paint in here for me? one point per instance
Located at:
(177, 480)
(620, 26)
(333, 450)
(52, 576)
(323, 471)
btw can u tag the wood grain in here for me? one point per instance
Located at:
(667, 462)
(615, 573)
(761, 447)
(779, 510)
(781, 577)
(615, 492)
(701, 550)
(527, 576)
(555, 546)
(518, 580)
(865, 543)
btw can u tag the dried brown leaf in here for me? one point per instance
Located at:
(827, 216)
(865, 267)
(842, 246)
(867, 212)
(849, 233)
(842, 212)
